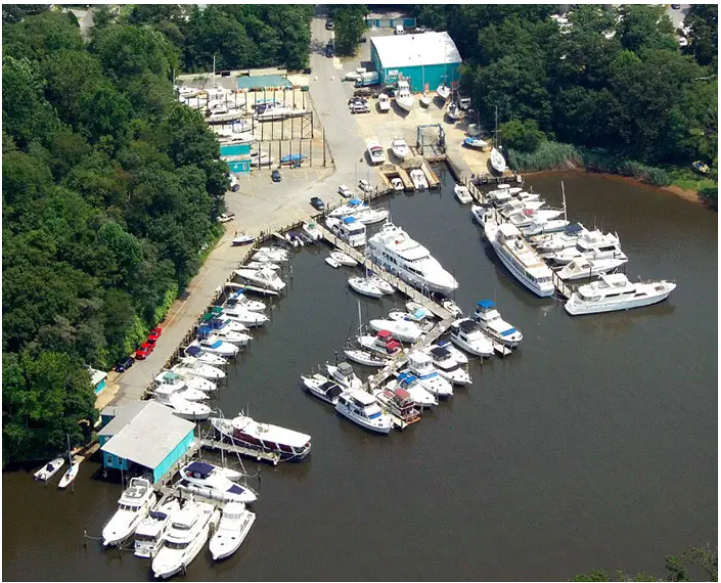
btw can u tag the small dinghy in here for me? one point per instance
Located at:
(343, 259)
(462, 194)
(49, 469)
(332, 262)
(404, 331)
(364, 287)
(69, 476)
(234, 526)
(242, 239)
(322, 387)
(475, 143)
(365, 358)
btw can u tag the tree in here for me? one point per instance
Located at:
(702, 20)
(350, 25)
(643, 27)
(523, 136)
(16, 12)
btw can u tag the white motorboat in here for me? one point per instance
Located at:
(224, 116)
(227, 334)
(211, 482)
(258, 159)
(399, 404)
(582, 268)
(262, 265)
(520, 258)
(591, 245)
(345, 376)
(238, 299)
(376, 155)
(496, 327)
(396, 252)
(365, 358)
(332, 262)
(443, 91)
(242, 239)
(404, 331)
(49, 469)
(404, 97)
(363, 409)
(348, 229)
(369, 216)
(190, 410)
(475, 143)
(287, 444)
(272, 254)
(133, 506)
(400, 148)
(409, 382)
(397, 184)
(194, 381)
(352, 207)
(312, 231)
(553, 242)
(189, 366)
(452, 308)
(467, 335)
(459, 356)
(364, 286)
(462, 194)
(418, 178)
(244, 316)
(544, 227)
(498, 162)
(343, 259)
(323, 388)
(448, 366)
(615, 292)
(234, 526)
(237, 138)
(149, 533)
(275, 111)
(383, 344)
(215, 345)
(168, 382)
(421, 366)
(185, 91)
(265, 278)
(425, 99)
(454, 111)
(69, 476)
(193, 350)
(384, 103)
(529, 208)
(185, 538)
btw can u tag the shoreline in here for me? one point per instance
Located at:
(691, 196)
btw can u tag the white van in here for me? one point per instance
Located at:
(399, 29)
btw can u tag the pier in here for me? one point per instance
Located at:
(216, 444)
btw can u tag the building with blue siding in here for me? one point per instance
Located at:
(424, 60)
(144, 437)
(237, 156)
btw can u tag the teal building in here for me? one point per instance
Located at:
(425, 60)
(237, 157)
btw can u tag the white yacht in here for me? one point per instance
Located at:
(272, 254)
(520, 258)
(591, 245)
(211, 481)
(189, 366)
(582, 268)
(169, 382)
(458, 355)
(448, 366)
(496, 327)
(343, 259)
(402, 330)
(467, 335)
(234, 526)
(185, 538)
(190, 410)
(421, 365)
(404, 97)
(553, 242)
(213, 344)
(409, 382)
(462, 194)
(243, 316)
(400, 148)
(365, 286)
(195, 382)
(194, 351)
(240, 300)
(312, 231)
(352, 207)
(399, 404)
(498, 162)
(323, 388)
(227, 332)
(418, 178)
(396, 252)
(275, 111)
(150, 531)
(369, 216)
(265, 278)
(49, 469)
(376, 155)
(348, 229)
(345, 376)
(363, 408)
(133, 506)
(615, 292)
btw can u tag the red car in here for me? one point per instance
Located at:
(144, 351)
(154, 334)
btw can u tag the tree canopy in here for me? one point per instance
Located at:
(110, 190)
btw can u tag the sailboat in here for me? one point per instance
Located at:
(498, 162)
(425, 98)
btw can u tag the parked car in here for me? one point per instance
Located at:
(363, 93)
(676, 6)
(234, 185)
(226, 217)
(124, 364)
(144, 351)
(275, 176)
(317, 203)
(329, 25)
(344, 191)
(155, 334)
(329, 50)
(359, 107)
(364, 185)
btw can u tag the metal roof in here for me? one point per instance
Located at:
(410, 50)
(120, 414)
(149, 436)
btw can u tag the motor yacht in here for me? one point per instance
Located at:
(467, 335)
(496, 327)
(234, 526)
(194, 351)
(458, 355)
(582, 268)
(447, 366)
(323, 388)
(214, 345)
(399, 404)
(348, 229)
(133, 506)
(591, 245)
(553, 242)
(240, 300)
(383, 344)
(400, 148)
(615, 292)
(403, 330)
(190, 410)
(150, 531)
(421, 366)
(189, 366)
(211, 482)
(344, 375)
(410, 383)
(363, 409)
(169, 382)
(265, 278)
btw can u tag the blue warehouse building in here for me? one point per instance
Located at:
(237, 156)
(424, 60)
(144, 437)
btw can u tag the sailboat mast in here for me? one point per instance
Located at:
(565, 211)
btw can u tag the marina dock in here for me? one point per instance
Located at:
(215, 444)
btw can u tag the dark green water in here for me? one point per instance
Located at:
(593, 446)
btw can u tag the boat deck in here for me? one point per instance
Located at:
(251, 288)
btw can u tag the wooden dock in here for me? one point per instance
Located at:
(274, 458)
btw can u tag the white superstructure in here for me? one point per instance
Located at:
(363, 409)
(348, 229)
(615, 292)
(133, 506)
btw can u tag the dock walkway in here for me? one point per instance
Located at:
(274, 458)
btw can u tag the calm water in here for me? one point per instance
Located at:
(593, 446)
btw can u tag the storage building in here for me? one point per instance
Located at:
(424, 60)
(146, 436)
(237, 156)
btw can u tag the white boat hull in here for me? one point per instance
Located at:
(69, 476)
(363, 287)
(543, 292)
(365, 358)
(578, 308)
(224, 543)
(363, 422)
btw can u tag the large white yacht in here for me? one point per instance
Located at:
(234, 526)
(496, 327)
(394, 250)
(520, 258)
(363, 408)
(210, 481)
(150, 531)
(615, 292)
(421, 365)
(133, 506)
(266, 278)
(591, 245)
(186, 537)
(348, 229)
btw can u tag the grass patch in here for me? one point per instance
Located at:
(687, 179)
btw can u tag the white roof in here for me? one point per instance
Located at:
(509, 230)
(363, 397)
(408, 50)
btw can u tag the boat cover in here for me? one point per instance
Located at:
(468, 326)
(486, 304)
(573, 228)
(193, 350)
(508, 332)
(385, 335)
(201, 468)
(440, 352)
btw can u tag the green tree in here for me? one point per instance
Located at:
(702, 19)
(645, 27)
(350, 25)
(16, 12)
(523, 136)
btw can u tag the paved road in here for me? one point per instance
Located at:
(677, 15)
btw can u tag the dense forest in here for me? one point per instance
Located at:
(110, 188)
(609, 80)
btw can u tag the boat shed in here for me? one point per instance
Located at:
(429, 59)
(144, 435)
(237, 156)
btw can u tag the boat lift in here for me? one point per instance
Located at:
(426, 138)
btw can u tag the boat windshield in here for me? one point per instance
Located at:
(176, 545)
(139, 537)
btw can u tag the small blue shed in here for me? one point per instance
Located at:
(237, 157)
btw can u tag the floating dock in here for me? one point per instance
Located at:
(274, 458)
